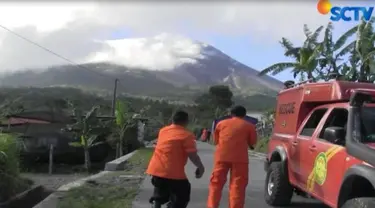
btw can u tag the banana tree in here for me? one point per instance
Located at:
(350, 69)
(86, 127)
(305, 65)
(124, 121)
(365, 50)
(305, 57)
(333, 51)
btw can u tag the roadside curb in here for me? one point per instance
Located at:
(115, 165)
(36, 192)
(257, 154)
(118, 163)
(81, 181)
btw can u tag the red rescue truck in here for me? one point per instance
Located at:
(323, 145)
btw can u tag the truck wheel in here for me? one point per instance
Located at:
(364, 202)
(278, 191)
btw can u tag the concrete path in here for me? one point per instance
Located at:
(200, 186)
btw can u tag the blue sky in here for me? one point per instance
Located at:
(258, 54)
(258, 50)
(247, 31)
(253, 52)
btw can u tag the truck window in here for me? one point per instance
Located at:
(312, 123)
(368, 124)
(338, 118)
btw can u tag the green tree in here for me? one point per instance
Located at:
(268, 116)
(213, 104)
(9, 107)
(350, 70)
(365, 50)
(333, 51)
(56, 104)
(86, 127)
(124, 121)
(305, 57)
(218, 96)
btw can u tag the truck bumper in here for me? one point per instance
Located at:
(266, 165)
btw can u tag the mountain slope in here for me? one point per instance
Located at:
(165, 65)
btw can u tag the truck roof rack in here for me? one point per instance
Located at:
(290, 84)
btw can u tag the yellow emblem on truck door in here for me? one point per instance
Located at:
(319, 172)
(320, 168)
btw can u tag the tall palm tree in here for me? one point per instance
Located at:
(365, 49)
(305, 57)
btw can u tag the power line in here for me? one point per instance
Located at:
(54, 53)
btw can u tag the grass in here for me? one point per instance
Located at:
(89, 196)
(10, 181)
(112, 190)
(262, 145)
(139, 162)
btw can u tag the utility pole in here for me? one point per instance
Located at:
(114, 98)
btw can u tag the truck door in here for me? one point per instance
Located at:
(301, 146)
(327, 169)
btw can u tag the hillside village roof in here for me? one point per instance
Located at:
(52, 117)
(55, 117)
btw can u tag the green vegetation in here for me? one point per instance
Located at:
(90, 130)
(213, 104)
(86, 129)
(112, 190)
(125, 119)
(100, 196)
(262, 145)
(10, 181)
(351, 57)
(137, 164)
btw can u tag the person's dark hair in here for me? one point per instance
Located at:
(238, 111)
(180, 118)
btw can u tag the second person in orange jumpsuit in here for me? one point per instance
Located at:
(232, 137)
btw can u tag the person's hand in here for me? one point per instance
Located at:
(199, 172)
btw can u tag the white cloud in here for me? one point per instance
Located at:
(162, 52)
(73, 29)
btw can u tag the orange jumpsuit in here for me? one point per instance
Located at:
(232, 138)
(167, 166)
(171, 152)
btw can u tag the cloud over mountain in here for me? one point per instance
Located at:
(161, 52)
(80, 31)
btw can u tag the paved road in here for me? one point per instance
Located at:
(200, 186)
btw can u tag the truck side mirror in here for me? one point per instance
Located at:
(335, 135)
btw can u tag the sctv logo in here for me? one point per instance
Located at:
(345, 13)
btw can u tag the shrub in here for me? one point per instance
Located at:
(10, 182)
(262, 145)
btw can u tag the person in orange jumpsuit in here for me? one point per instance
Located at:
(174, 146)
(232, 137)
(204, 135)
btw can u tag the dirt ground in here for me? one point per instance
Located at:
(114, 189)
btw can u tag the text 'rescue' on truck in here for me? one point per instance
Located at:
(323, 145)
